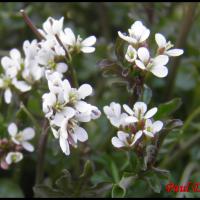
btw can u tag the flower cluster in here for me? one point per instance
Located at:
(11, 149)
(138, 53)
(133, 124)
(65, 108)
(21, 71)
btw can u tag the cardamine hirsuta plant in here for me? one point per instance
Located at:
(46, 65)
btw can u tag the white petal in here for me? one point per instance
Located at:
(49, 99)
(144, 35)
(81, 134)
(87, 49)
(117, 143)
(63, 129)
(29, 147)
(137, 137)
(7, 95)
(64, 145)
(15, 54)
(160, 40)
(174, 52)
(131, 119)
(124, 37)
(140, 64)
(68, 112)
(115, 121)
(82, 106)
(70, 37)
(28, 133)
(82, 117)
(61, 67)
(143, 54)
(122, 135)
(160, 60)
(58, 119)
(140, 106)
(116, 108)
(159, 71)
(157, 126)
(84, 91)
(12, 129)
(149, 134)
(128, 109)
(55, 132)
(89, 41)
(151, 113)
(21, 85)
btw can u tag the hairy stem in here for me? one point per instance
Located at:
(185, 28)
(41, 152)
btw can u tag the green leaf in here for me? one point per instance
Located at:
(64, 181)
(9, 189)
(119, 49)
(118, 191)
(114, 172)
(166, 109)
(44, 191)
(153, 181)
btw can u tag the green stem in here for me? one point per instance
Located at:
(28, 113)
(186, 175)
(73, 76)
(41, 153)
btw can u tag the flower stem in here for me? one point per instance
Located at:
(31, 25)
(41, 152)
(34, 121)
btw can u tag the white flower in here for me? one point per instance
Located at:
(74, 96)
(52, 26)
(13, 157)
(32, 71)
(155, 65)
(46, 58)
(113, 113)
(151, 128)
(164, 47)
(131, 54)
(70, 134)
(138, 33)
(65, 109)
(12, 64)
(78, 44)
(21, 137)
(125, 140)
(139, 112)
